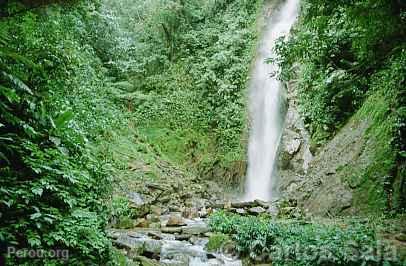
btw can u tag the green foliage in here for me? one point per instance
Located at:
(338, 46)
(54, 108)
(189, 75)
(217, 241)
(295, 242)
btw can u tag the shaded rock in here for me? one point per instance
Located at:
(182, 237)
(256, 210)
(262, 203)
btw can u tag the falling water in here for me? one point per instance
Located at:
(266, 105)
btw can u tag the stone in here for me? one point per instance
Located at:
(241, 211)
(156, 225)
(152, 246)
(156, 210)
(152, 218)
(190, 213)
(262, 203)
(293, 146)
(182, 237)
(142, 222)
(256, 210)
(244, 204)
(175, 219)
(198, 229)
(171, 230)
(136, 198)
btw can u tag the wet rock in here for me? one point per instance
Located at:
(152, 218)
(127, 242)
(155, 235)
(152, 246)
(182, 237)
(256, 210)
(261, 203)
(175, 219)
(246, 204)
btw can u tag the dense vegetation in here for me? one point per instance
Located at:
(86, 85)
(349, 57)
(298, 242)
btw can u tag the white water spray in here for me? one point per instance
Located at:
(265, 106)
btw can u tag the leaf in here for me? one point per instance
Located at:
(37, 191)
(10, 94)
(18, 83)
(63, 119)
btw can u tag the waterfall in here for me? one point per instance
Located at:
(265, 101)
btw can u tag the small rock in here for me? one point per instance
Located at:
(152, 218)
(256, 210)
(241, 211)
(175, 219)
(136, 198)
(293, 146)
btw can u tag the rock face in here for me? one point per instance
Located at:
(344, 176)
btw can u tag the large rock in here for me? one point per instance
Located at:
(197, 229)
(256, 210)
(175, 219)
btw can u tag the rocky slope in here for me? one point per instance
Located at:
(350, 173)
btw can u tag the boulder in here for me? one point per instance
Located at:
(197, 229)
(175, 219)
(171, 230)
(256, 210)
